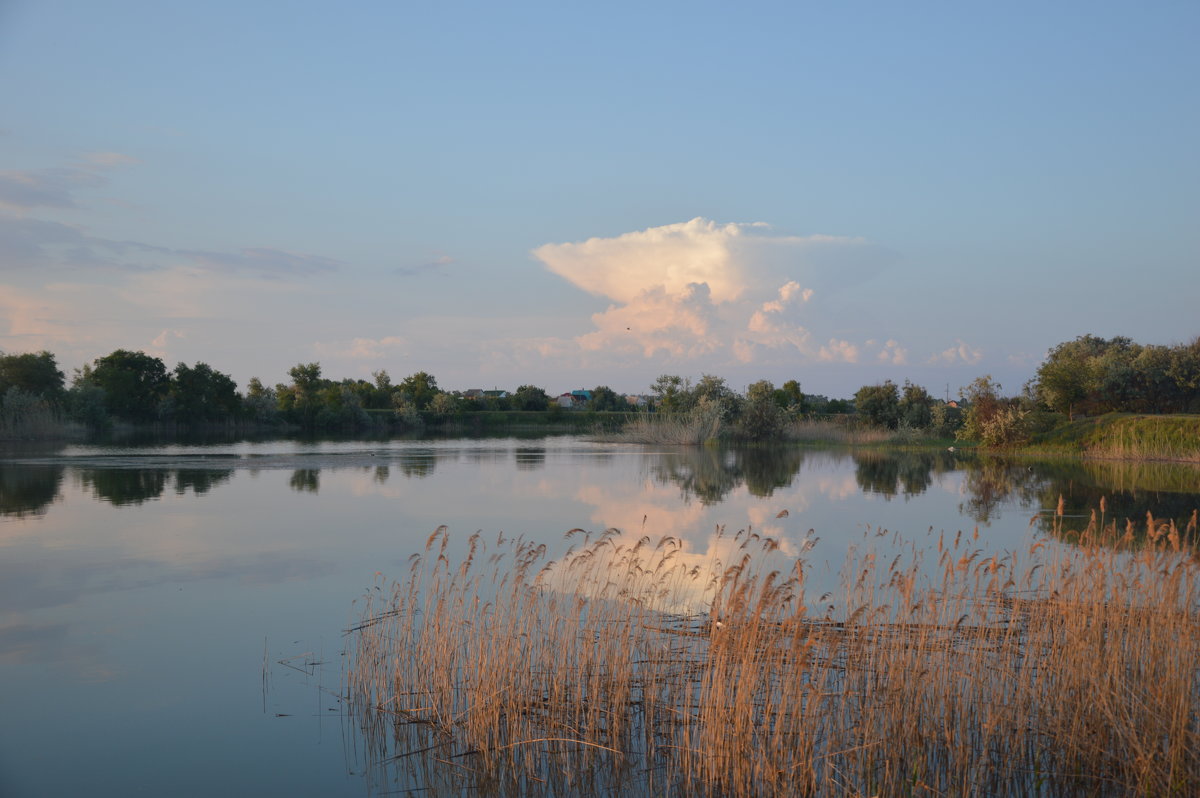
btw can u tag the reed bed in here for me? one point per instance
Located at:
(816, 431)
(699, 425)
(637, 668)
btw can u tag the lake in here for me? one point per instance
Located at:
(172, 616)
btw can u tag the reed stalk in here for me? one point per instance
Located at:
(626, 668)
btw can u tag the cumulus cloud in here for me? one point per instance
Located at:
(838, 351)
(892, 352)
(771, 325)
(704, 288)
(671, 257)
(363, 348)
(679, 324)
(961, 352)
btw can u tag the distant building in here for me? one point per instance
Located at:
(574, 399)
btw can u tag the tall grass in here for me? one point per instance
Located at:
(829, 432)
(1129, 437)
(1060, 670)
(699, 425)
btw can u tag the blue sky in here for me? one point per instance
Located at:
(574, 195)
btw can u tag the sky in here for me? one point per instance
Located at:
(571, 195)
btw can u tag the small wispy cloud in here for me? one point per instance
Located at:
(362, 348)
(264, 261)
(25, 189)
(438, 263)
(109, 159)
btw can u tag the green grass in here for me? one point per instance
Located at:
(1126, 437)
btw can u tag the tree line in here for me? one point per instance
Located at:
(1089, 375)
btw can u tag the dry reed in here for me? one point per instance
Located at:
(1061, 670)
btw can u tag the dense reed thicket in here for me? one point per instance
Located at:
(1067, 669)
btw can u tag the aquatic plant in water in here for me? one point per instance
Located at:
(639, 668)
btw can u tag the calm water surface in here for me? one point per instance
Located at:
(172, 616)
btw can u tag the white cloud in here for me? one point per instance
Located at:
(699, 288)
(671, 257)
(679, 324)
(892, 352)
(166, 335)
(838, 351)
(363, 348)
(961, 352)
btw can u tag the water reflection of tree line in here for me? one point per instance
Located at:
(905, 474)
(1129, 490)
(125, 486)
(28, 490)
(710, 474)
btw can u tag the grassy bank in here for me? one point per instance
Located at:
(633, 668)
(1126, 437)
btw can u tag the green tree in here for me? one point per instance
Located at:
(529, 397)
(916, 406)
(201, 393)
(261, 402)
(879, 404)
(989, 418)
(672, 394)
(712, 389)
(1184, 371)
(37, 374)
(134, 384)
(1155, 390)
(418, 389)
(761, 417)
(790, 397)
(443, 404)
(1068, 381)
(381, 397)
(605, 398)
(301, 401)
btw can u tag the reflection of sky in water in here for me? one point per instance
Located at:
(138, 586)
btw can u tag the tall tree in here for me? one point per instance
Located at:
(879, 404)
(605, 398)
(134, 384)
(419, 389)
(36, 374)
(529, 397)
(201, 393)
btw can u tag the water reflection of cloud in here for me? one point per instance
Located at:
(38, 644)
(838, 488)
